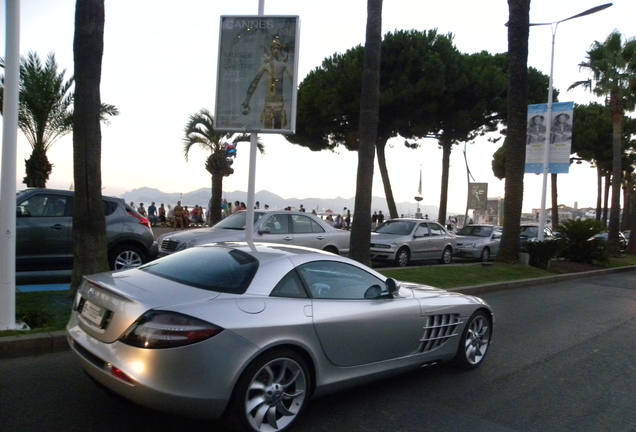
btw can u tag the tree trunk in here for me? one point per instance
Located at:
(627, 201)
(631, 245)
(617, 172)
(443, 196)
(518, 31)
(608, 182)
(369, 113)
(386, 181)
(89, 224)
(599, 192)
(38, 169)
(555, 200)
(217, 197)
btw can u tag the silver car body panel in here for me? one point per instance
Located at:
(348, 341)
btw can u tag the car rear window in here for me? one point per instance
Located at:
(216, 268)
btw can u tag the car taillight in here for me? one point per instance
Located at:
(142, 220)
(156, 329)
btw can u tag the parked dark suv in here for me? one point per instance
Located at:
(44, 235)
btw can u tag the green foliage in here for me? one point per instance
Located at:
(45, 111)
(576, 237)
(542, 252)
(43, 311)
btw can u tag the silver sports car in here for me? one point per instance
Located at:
(249, 332)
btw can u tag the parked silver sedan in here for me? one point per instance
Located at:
(478, 242)
(249, 332)
(270, 226)
(404, 240)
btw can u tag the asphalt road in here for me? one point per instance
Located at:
(562, 359)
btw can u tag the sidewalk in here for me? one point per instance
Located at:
(46, 343)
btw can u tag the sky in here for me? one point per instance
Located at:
(160, 66)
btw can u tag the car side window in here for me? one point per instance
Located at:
(305, 225)
(277, 224)
(422, 230)
(336, 280)
(290, 286)
(43, 206)
(436, 230)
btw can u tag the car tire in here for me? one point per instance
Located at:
(125, 257)
(447, 256)
(485, 255)
(270, 394)
(402, 257)
(474, 342)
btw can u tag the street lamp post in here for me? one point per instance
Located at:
(546, 154)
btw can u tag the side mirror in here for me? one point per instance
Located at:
(264, 230)
(392, 286)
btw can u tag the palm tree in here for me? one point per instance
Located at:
(45, 112)
(369, 114)
(200, 131)
(90, 243)
(518, 31)
(612, 65)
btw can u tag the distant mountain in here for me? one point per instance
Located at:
(201, 197)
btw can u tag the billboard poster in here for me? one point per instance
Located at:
(560, 137)
(477, 196)
(257, 74)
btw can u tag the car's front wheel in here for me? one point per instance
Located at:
(402, 257)
(125, 257)
(474, 342)
(271, 393)
(447, 256)
(485, 255)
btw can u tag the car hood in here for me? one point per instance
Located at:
(204, 235)
(462, 239)
(389, 238)
(128, 294)
(437, 300)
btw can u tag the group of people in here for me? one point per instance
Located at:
(178, 216)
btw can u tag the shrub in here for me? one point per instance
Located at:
(579, 245)
(542, 252)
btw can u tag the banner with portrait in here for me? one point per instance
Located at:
(559, 137)
(257, 74)
(477, 196)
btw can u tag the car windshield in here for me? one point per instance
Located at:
(396, 227)
(217, 269)
(478, 231)
(237, 221)
(530, 231)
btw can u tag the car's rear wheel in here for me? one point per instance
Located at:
(474, 342)
(485, 255)
(447, 256)
(271, 393)
(402, 257)
(125, 257)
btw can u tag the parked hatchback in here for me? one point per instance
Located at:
(44, 232)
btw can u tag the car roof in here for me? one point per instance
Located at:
(33, 191)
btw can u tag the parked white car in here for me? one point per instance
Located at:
(270, 226)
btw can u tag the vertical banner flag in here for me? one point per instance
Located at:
(560, 137)
(257, 74)
(477, 196)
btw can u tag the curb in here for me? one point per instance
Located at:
(48, 343)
